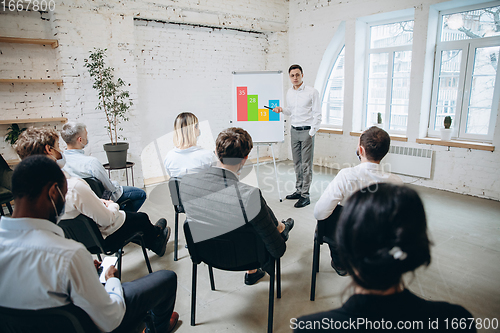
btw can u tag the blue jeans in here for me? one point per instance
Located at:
(131, 199)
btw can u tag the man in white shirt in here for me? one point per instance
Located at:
(303, 105)
(42, 269)
(82, 166)
(373, 145)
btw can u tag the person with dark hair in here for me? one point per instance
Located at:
(41, 269)
(187, 157)
(382, 234)
(373, 145)
(115, 225)
(304, 109)
(218, 203)
(79, 165)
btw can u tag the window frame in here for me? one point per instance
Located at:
(468, 47)
(325, 87)
(390, 71)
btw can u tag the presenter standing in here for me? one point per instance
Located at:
(303, 106)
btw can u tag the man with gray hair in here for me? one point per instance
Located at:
(82, 166)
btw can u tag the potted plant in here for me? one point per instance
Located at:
(13, 133)
(379, 120)
(446, 131)
(115, 103)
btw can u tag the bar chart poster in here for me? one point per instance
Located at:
(252, 93)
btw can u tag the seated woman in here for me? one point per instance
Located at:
(115, 225)
(187, 157)
(382, 234)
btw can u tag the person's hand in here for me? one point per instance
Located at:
(106, 202)
(97, 264)
(278, 109)
(111, 272)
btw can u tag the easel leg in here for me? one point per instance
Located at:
(276, 173)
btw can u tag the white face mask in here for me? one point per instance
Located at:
(60, 214)
(61, 162)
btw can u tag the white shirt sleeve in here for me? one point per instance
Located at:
(88, 204)
(105, 306)
(333, 194)
(316, 113)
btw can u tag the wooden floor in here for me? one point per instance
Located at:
(465, 266)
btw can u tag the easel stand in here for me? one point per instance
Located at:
(274, 162)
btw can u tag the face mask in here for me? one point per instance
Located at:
(85, 145)
(61, 162)
(59, 213)
(357, 154)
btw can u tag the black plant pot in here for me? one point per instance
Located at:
(117, 154)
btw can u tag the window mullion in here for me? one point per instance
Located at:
(388, 96)
(464, 93)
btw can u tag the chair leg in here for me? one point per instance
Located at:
(271, 304)
(315, 269)
(211, 274)
(278, 278)
(9, 207)
(99, 257)
(176, 233)
(1, 210)
(146, 258)
(193, 294)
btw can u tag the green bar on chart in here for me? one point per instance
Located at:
(253, 108)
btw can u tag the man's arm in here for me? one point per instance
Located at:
(265, 223)
(100, 173)
(105, 306)
(332, 196)
(316, 113)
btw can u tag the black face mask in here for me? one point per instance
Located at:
(357, 154)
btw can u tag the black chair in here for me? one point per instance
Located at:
(5, 186)
(238, 250)
(96, 186)
(64, 319)
(325, 231)
(84, 230)
(173, 186)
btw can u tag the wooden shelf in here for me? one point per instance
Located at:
(33, 120)
(457, 143)
(59, 82)
(394, 137)
(330, 131)
(52, 42)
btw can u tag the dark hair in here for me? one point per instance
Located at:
(33, 174)
(233, 145)
(295, 67)
(376, 142)
(382, 234)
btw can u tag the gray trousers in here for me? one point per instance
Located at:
(302, 152)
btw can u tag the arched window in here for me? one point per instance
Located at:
(333, 96)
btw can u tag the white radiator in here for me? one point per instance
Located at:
(409, 161)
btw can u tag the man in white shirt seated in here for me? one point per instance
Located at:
(115, 225)
(373, 145)
(82, 166)
(42, 269)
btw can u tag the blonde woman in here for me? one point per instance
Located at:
(186, 157)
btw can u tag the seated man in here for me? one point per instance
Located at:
(42, 269)
(373, 145)
(115, 225)
(217, 200)
(82, 166)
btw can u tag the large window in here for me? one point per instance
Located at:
(333, 97)
(388, 76)
(465, 72)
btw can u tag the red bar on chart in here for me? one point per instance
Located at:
(242, 103)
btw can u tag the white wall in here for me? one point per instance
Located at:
(168, 68)
(312, 25)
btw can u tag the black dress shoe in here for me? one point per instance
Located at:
(293, 196)
(340, 271)
(288, 226)
(254, 277)
(302, 202)
(160, 245)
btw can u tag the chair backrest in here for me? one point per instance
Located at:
(5, 174)
(84, 230)
(96, 185)
(238, 250)
(326, 227)
(173, 186)
(65, 319)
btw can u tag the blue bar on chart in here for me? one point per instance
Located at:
(273, 116)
